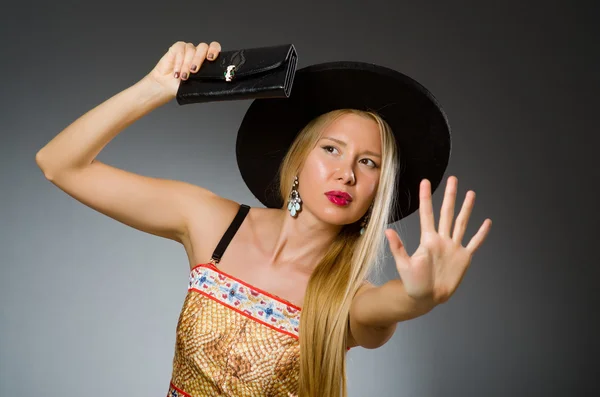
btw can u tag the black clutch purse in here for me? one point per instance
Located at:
(265, 72)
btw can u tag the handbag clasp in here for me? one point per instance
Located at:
(229, 73)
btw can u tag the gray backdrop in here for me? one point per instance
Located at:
(89, 306)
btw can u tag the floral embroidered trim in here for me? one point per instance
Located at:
(246, 299)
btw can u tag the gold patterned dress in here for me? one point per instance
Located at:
(234, 339)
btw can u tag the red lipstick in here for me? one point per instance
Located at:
(339, 198)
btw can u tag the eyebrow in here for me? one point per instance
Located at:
(344, 144)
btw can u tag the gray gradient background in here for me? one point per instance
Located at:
(89, 306)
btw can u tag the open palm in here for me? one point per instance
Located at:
(437, 267)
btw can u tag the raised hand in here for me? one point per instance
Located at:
(179, 61)
(432, 274)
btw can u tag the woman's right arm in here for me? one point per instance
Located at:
(153, 205)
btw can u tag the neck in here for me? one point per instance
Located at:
(299, 243)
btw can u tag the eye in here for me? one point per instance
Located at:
(328, 147)
(372, 165)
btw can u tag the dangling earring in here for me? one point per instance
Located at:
(294, 201)
(365, 221)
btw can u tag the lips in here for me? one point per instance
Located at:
(338, 197)
(340, 194)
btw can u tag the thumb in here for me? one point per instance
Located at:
(396, 246)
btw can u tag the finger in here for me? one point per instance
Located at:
(214, 49)
(179, 50)
(447, 211)
(199, 57)
(463, 217)
(397, 247)
(425, 207)
(480, 236)
(190, 51)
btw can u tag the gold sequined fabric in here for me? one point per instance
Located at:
(234, 339)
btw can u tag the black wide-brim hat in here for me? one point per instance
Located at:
(417, 120)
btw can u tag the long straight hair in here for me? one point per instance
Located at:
(351, 257)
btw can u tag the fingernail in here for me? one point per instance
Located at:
(193, 68)
(184, 76)
(210, 56)
(176, 74)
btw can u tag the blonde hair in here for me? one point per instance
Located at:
(343, 269)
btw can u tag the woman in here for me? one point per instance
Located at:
(340, 181)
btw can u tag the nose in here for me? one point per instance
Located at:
(346, 175)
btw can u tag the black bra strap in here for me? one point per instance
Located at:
(233, 227)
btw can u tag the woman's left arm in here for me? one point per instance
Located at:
(429, 277)
(376, 310)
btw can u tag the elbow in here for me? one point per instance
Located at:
(42, 163)
(39, 160)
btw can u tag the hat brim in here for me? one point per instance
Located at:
(418, 122)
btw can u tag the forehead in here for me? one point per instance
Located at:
(354, 129)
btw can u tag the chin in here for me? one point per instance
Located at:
(337, 216)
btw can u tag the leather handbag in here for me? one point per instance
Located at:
(264, 72)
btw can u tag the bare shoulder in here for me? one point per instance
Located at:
(208, 216)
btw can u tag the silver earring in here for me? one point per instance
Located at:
(365, 221)
(294, 200)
